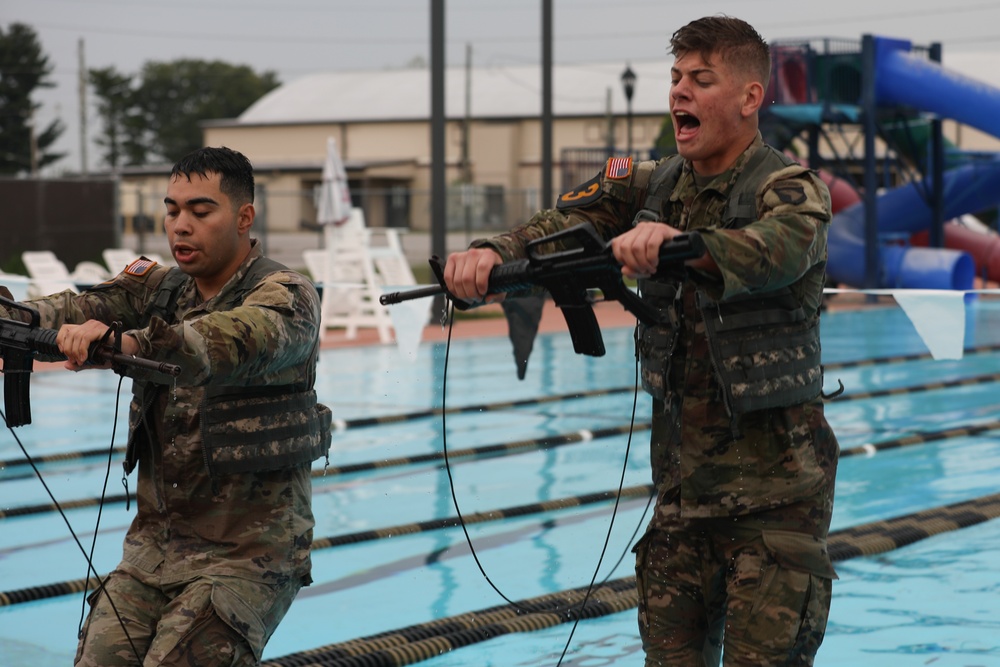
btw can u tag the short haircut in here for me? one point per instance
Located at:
(734, 41)
(234, 169)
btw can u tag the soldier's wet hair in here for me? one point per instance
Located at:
(731, 39)
(234, 169)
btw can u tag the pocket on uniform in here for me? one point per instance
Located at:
(92, 599)
(240, 616)
(801, 552)
(641, 551)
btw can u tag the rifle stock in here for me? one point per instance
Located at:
(568, 275)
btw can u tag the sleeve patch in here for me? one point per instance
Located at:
(582, 195)
(790, 193)
(618, 168)
(140, 267)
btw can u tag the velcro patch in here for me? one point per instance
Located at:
(140, 267)
(582, 195)
(618, 168)
(790, 193)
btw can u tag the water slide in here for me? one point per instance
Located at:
(910, 80)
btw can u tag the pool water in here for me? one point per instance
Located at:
(935, 602)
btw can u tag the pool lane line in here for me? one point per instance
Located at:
(515, 447)
(520, 446)
(57, 589)
(363, 422)
(415, 643)
(643, 490)
(64, 588)
(973, 380)
(901, 358)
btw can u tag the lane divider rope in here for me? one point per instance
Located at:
(416, 643)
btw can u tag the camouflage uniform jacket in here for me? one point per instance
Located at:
(257, 526)
(776, 456)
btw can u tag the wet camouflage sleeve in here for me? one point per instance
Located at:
(609, 217)
(273, 330)
(114, 303)
(785, 245)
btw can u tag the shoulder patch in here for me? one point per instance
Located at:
(582, 195)
(618, 168)
(790, 193)
(140, 267)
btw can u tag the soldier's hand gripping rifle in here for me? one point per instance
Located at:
(568, 275)
(20, 342)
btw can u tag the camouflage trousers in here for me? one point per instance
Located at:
(217, 622)
(706, 596)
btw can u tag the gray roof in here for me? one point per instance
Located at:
(497, 92)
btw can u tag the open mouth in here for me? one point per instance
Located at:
(685, 123)
(183, 253)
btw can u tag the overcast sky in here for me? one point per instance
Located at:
(297, 37)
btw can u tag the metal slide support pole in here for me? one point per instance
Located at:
(868, 110)
(937, 168)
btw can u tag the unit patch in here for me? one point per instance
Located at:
(618, 168)
(140, 267)
(582, 195)
(790, 193)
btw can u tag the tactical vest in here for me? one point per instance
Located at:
(764, 348)
(244, 429)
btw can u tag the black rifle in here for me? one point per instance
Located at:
(20, 342)
(568, 275)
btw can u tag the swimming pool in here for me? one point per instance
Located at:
(534, 466)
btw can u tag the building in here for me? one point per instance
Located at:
(381, 121)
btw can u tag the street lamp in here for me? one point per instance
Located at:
(628, 83)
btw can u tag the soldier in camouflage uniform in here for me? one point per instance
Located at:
(734, 564)
(220, 543)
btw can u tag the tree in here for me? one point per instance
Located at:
(23, 69)
(665, 143)
(157, 114)
(175, 97)
(116, 107)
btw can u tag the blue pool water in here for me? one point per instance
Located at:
(936, 602)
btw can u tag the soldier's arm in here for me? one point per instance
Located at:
(786, 242)
(276, 327)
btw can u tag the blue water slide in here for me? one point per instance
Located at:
(903, 78)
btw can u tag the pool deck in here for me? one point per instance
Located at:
(490, 322)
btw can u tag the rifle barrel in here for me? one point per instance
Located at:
(391, 298)
(107, 354)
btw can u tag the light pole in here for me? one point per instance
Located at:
(628, 83)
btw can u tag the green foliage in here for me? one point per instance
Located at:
(120, 139)
(157, 114)
(665, 143)
(23, 69)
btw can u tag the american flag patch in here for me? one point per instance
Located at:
(618, 167)
(139, 267)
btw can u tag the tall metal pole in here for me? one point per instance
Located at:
(868, 109)
(83, 107)
(936, 239)
(466, 163)
(439, 244)
(546, 191)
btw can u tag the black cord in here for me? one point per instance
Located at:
(614, 513)
(451, 484)
(100, 506)
(90, 564)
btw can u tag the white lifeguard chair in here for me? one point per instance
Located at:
(346, 270)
